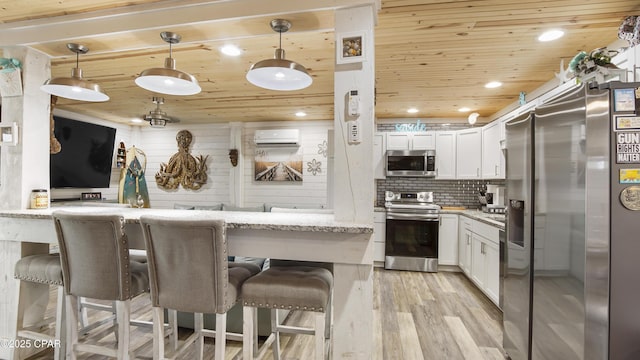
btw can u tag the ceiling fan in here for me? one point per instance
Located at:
(156, 117)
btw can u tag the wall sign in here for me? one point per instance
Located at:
(418, 126)
(628, 148)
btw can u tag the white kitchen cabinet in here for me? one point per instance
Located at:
(445, 154)
(485, 259)
(464, 244)
(411, 141)
(379, 234)
(398, 141)
(469, 153)
(423, 141)
(485, 266)
(448, 240)
(479, 255)
(493, 162)
(379, 149)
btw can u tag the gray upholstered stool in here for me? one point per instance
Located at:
(190, 272)
(303, 288)
(42, 269)
(94, 253)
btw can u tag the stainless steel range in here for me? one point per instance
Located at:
(412, 223)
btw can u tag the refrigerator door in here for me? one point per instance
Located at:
(558, 307)
(517, 276)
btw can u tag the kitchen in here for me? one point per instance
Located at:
(160, 144)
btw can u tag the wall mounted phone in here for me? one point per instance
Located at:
(353, 103)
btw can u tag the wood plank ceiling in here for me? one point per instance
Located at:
(433, 55)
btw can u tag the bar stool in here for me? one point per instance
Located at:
(94, 253)
(189, 271)
(42, 269)
(303, 288)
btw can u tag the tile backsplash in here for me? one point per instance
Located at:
(445, 192)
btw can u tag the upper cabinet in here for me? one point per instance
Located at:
(411, 141)
(469, 154)
(445, 154)
(493, 164)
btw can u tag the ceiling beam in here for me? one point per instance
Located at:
(154, 16)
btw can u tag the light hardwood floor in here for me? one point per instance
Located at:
(429, 316)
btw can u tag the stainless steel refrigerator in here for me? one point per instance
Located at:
(572, 277)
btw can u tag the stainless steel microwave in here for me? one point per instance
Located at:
(410, 163)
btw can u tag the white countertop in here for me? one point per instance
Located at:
(234, 219)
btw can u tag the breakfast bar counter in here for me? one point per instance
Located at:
(290, 236)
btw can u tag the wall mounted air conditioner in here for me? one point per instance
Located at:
(277, 137)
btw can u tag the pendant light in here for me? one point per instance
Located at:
(168, 80)
(279, 73)
(75, 87)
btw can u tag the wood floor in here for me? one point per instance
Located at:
(429, 316)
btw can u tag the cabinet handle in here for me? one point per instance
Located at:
(477, 172)
(495, 172)
(482, 248)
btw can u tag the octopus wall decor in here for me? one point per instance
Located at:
(183, 169)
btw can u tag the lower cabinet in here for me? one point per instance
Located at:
(464, 245)
(485, 266)
(481, 262)
(448, 240)
(379, 233)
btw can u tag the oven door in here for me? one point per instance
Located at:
(411, 242)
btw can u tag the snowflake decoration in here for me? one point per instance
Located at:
(314, 167)
(322, 148)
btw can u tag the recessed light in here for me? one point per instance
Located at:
(301, 114)
(412, 110)
(493, 84)
(230, 50)
(464, 109)
(551, 35)
(136, 120)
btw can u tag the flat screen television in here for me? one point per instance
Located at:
(85, 160)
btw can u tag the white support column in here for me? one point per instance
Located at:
(353, 192)
(26, 166)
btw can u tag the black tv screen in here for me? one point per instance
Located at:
(85, 160)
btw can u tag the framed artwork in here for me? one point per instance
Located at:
(351, 48)
(277, 165)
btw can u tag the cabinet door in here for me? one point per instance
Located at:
(423, 141)
(398, 141)
(448, 240)
(469, 153)
(379, 149)
(492, 271)
(477, 260)
(492, 155)
(379, 233)
(445, 154)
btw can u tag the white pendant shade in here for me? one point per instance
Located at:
(75, 87)
(168, 80)
(278, 73)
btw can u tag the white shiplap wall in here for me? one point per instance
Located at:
(312, 191)
(212, 140)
